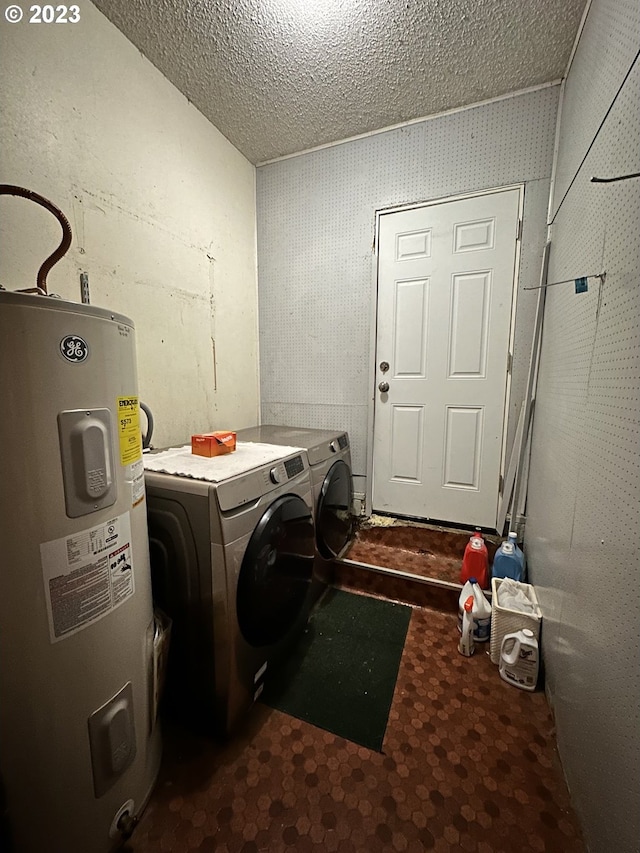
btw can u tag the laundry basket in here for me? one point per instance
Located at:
(505, 621)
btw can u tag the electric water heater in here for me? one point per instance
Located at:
(79, 744)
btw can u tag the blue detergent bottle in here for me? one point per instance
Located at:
(509, 560)
(513, 537)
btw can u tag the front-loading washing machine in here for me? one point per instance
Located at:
(329, 457)
(232, 562)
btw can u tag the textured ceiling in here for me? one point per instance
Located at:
(280, 76)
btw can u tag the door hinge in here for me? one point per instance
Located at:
(501, 484)
(519, 231)
(509, 363)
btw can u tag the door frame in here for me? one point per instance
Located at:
(373, 335)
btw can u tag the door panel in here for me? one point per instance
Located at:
(473, 236)
(407, 443)
(410, 327)
(468, 333)
(462, 447)
(412, 245)
(445, 289)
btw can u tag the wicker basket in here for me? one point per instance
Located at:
(505, 621)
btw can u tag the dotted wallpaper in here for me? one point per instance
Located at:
(604, 54)
(316, 268)
(583, 513)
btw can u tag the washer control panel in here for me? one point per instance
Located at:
(281, 472)
(275, 476)
(294, 466)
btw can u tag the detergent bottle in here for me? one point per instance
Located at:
(519, 659)
(513, 538)
(466, 646)
(509, 560)
(481, 611)
(475, 563)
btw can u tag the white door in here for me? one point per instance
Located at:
(445, 288)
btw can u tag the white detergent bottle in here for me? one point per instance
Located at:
(519, 659)
(466, 646)
(481, 615)
(481, 610)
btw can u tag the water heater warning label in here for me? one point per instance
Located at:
(87, 575)
(129, 433)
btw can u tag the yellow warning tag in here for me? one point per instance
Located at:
(129, 430)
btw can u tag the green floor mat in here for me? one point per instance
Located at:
(342, 675)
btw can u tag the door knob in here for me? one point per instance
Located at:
(384, 387)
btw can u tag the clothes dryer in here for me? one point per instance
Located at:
(329, 457)
(232, 562)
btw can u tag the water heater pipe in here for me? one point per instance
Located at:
(146, 438)
(41, 280)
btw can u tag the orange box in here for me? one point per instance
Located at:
(213, 443)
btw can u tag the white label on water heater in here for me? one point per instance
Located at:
(134, 475)
(87, 575)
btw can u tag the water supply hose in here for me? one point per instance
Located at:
(146, 439)
(41, 279)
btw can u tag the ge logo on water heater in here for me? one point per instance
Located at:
(74, 348)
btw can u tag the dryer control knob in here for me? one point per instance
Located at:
(274, 475)
(334, 446)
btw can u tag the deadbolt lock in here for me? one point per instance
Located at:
(384, 366)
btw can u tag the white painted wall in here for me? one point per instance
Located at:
(162, 207)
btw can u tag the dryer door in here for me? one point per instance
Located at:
(276, 572)
(334, 522)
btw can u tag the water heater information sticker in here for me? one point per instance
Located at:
(134, 475)
(129, 430)
(87, 575)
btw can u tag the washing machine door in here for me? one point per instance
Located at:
(334, 522)
(276, 572)
(179, 550)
